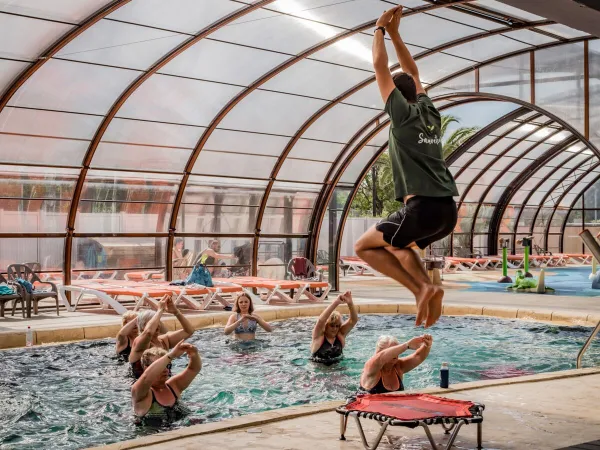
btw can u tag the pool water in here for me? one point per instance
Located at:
(77, 395)
(566, 281)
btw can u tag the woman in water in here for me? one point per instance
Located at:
(383, 372)
(329, 333)
(244, 320)
(126, 334)
(151, 335)
(156, 395)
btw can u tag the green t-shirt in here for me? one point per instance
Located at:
(415, 145)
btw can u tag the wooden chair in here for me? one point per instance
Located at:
(26, 273)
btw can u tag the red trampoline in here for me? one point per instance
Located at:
(412, 410)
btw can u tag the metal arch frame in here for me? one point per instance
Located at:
(89, 155)
(563, 195)
(61, 43)
(528, 196)
(515, 185)
(497, 158)
(571, 208)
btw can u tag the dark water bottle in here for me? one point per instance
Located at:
(444, 375)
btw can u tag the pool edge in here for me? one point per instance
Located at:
(278, 415)
(9, 340)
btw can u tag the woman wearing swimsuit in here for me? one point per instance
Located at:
(152, 334)
(155, 395)
(384, 371)
(244, 320)
(126, 334)
(329, 333)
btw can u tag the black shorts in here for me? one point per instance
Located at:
(423, 220)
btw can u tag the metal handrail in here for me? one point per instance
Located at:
(587, 344)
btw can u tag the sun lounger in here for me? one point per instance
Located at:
(154, 275)
(412, 410)
(353, 265)
(275, 289)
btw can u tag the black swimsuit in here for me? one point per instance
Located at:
(379, 388)
(126, 351)
(328, 353)
(159, 414)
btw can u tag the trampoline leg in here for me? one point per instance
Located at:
(448, 429)
(384, 426)
(479, 435)
(429, 436)
(343, 425)
(454, 434)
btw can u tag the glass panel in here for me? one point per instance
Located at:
(252, 143)
(109, 186)
(553, 243)
(303, 170)
(439, 65)
(275, 253)
(445, 31)
(530, 37)
(118, 253)
(484, 216)
(465, 217)
(152, 133)
(594, 63)
(48, 123)
(239, 251)
(9, 71)
(25, 38)
(299, 34)
(340, 123)
(360, 161)
(122, 217)
(558, 219)
(486, 48)
(542, 219)
(230, 63)
(310, 149)
(26, 149)
(592, 222)
(507, 9)
(369, 96)
(120, 44)
(47, 251)
(507, 225)
(76, 87)
(315, 79)
(234, 164)
(559, 82)
(195, 218)
(176, 100)
(286, 220)
(462, 245)
(140, 157)
(463, 83)
(460, 17)
(591, 197)
(510, 77)
(563, 30)
(61, 10)
(475, 193)
(526, 220)
(223, 191)
(32, 216)
(270, 112)
(187, 16)
(293, 195)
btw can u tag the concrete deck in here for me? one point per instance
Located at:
(546, 411)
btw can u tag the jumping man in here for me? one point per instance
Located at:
(422, 180)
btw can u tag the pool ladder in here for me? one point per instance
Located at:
(587, 344)
(593, 246)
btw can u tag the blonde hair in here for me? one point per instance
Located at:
(128, 317)
(144, 317)
(151, 355)
(386, 341)
(334, 318)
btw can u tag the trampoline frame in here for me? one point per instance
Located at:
(449, 424)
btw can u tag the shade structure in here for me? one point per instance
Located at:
(133, 123)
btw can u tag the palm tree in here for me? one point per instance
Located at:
(458, 137)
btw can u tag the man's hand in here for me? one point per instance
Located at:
(385, 18)
(394, 23)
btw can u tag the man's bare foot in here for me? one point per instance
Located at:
(435, 306)
(423, 303)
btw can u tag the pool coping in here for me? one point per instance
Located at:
(13, 339)
(278, 415)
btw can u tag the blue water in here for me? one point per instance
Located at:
(566, 281)
(77, 395)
